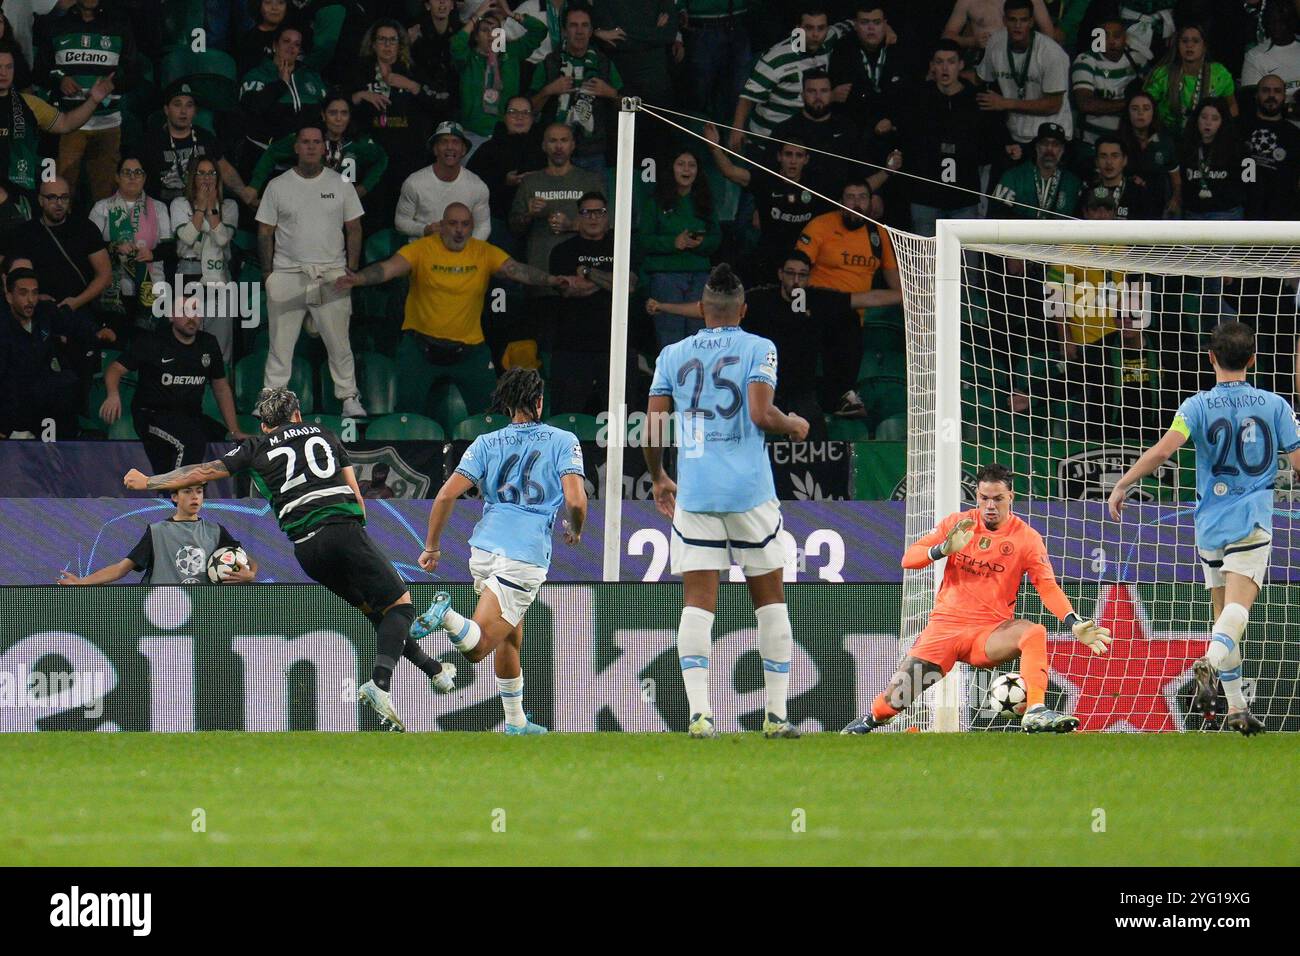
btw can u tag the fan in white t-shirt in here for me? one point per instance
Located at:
(1031, 73)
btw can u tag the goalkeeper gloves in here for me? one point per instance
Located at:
(1091, 635)
(957, 539)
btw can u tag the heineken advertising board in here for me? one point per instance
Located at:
(596, 657)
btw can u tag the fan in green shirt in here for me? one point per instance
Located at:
(1040, 189)
(1186, 79)
(490, 76)
(359, 159)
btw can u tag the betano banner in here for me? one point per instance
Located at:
(595, 657)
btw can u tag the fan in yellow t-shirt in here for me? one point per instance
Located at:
(450, 273)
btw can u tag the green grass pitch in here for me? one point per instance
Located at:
(887, 799)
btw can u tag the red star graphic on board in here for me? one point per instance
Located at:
(1135, 686)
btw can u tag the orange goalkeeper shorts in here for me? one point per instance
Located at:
(944, 643)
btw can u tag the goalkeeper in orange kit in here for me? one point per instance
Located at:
(989, 551)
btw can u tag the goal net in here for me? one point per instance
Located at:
(1062, 350)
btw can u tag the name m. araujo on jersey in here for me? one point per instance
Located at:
(1239, 431)
(723, 465)
(298, 468)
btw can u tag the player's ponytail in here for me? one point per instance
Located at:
(519, 390)
(724, 294)
(724, 281)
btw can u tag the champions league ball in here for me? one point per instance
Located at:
(1007, 695)
(225, 560)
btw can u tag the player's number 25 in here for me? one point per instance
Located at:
(1254, 431)
(720, 381)
(325, 470)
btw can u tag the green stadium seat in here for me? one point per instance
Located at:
(447, 405)
(123, 430)
(382, 245)
(332, 422)
(405, 426)
(586, 427)
(180, 19)
(846, 429)
(212, 75)
(90, 411)
(376, 380)
(250, 370)
(883, 337)
(891, 364)
(249, 424)
(893, 428)
(476, 425)
(884, 396)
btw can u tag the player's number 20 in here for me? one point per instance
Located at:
(1253, 431)
(325, 470)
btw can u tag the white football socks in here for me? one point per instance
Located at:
(775, 644)
(465, 633)
(1224, 652)
(511, 690)
(694, 642)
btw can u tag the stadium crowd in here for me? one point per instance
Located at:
(298, 145)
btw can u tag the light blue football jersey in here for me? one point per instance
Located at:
(518, 470)
(722, 463)
(1239, 431)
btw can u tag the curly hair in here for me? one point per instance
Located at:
(519, 390)
(995, 472)
(367, 52)
(276, 406)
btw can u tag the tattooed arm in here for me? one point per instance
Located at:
(529, 275)
(376, 273)
(180, 478)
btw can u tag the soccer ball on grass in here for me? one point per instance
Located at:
(1007, 695)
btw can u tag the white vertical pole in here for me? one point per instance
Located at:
(946, 695)
(616, 424)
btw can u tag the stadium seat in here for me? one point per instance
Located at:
(376, 380)
(405, 426)
(884, 396)
(586, 427)
(180, 19)
(883, 337)
(249, 424)
(332, 422)
(212, 75)
(893, 428)
(382, 245)
(477, 425)
(90, 419)
(250, 370)
(846, 429)
(875, 363)
(447, 405)
(123, 429)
